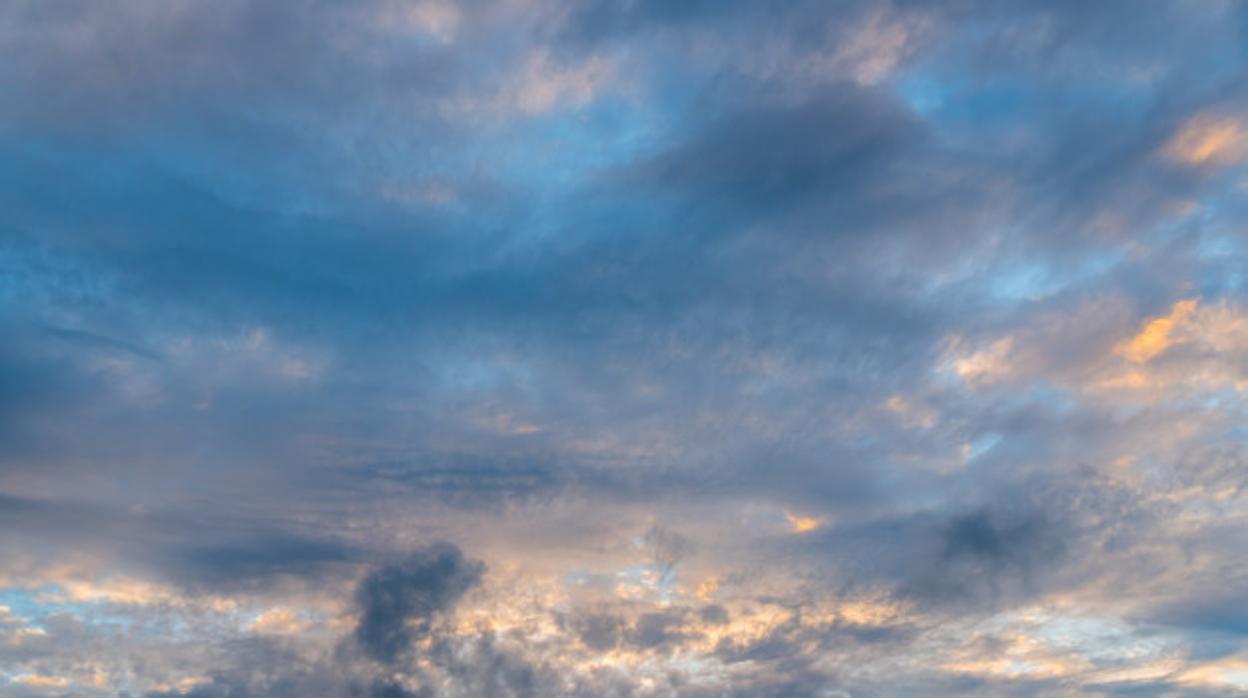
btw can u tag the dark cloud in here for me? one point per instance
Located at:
(257, 559)
(656, 630)
(985, 554)
(985, 537)
(599, 631)
(1220, 612)
(399, 603)
(759, 160)
(713, 614)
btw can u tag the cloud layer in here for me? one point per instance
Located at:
(440, 349)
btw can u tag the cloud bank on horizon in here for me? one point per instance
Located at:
(634, 348)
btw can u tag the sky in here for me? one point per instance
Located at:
(629, 348)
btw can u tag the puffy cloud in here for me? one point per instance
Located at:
(399, 602)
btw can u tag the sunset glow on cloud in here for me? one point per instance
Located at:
(634, 349)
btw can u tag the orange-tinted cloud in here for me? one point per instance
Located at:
(1158, 334)
(1209, 139)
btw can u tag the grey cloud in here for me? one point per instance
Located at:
(599, 631)
(480, 666)
(982, 536)
(398, 603)
(1221, 612)
(759, 159)
(656, 630)
(713, 614)
(256, 559)
(985, 554)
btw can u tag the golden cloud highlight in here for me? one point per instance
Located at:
(985, 365)
(1158, 334)
(803, 524)
(1208, 139)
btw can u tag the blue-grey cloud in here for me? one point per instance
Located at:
(858, 349)
(399, 602)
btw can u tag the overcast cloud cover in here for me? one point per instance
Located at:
(638, 348)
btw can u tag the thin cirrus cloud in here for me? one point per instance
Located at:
(622, 349)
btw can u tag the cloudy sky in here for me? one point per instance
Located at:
(623, 348)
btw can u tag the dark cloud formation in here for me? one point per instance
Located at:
(600, 631)
(398, 603)
(398, 607)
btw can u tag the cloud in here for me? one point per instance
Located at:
(256, 559)
(599, 632)
(622, 297)
(803, 524)
(758, 159)
(1209, 140)
(1156, 336)
(984, 365)
(398, 603)
(540, 86)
